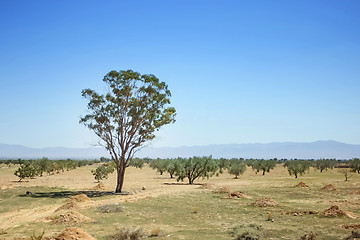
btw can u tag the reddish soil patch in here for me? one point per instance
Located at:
(265, 202)
(74, 234)
(80, 198)
(302, 185)
(335, 211)
(68, 206)
(238, 194)
(71, 218)
(100, 186)
(329, 187)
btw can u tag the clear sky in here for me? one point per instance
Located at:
(253, 71)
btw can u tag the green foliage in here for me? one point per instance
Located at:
(102, 171)
(325, 164)
(160, 165)
(247, 232)
(137, 162)
(194, 168)
(222, 163)
(355, 165)
(128, 115)
(296, 167)
(236, 167)
(26, 170)
(172, 167)
(263, 165)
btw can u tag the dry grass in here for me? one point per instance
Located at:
(170, 207)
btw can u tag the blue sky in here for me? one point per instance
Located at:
(239, 71)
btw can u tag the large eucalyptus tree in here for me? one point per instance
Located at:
(127, 116)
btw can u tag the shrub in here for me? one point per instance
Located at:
(111, 208)
(249, 232)
(103, 171)
(129, 234)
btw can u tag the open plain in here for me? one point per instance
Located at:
(220, 207)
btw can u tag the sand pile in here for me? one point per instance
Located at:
(74, 234)
(265, 202)
(68, 206)
(302, 185)
(329, 187)
(335, 211)
(80, 198)
(100, 186)
(238, 194)
(71, 218)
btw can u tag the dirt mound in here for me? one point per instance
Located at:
(238, 194)
(74, 234)
(333, 211)
(302, 185)
(352, 226)
(265, 202)
(329, 187)
(68, 206)
(100, 186)
(80, 198)
(71, 218)
(222, 190)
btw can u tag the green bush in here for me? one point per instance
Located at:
(247, 232)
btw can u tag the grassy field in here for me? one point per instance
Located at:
(181, 211)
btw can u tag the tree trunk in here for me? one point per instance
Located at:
(120, 178)
(191, 181)
(295, 175)
(263, 172)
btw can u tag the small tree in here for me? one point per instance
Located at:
(263, 165)
(137, 162)
(128, 115)
(355, 165)
(296, 167)
(325, 164)
(172, 167)
(26, 170)
(160, 165)
(102, 171)
(194, 168)
(236, 167)
(346, 172)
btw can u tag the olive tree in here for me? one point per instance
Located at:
(296, 167)
(194, 168)
(126, 117)
(236, 167)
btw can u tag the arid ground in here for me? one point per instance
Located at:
(270, 206)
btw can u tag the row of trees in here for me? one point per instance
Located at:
(33, 168)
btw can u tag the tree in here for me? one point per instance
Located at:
(103, 171)
(355, 165)
(194, 168)
(296, 167)
(236, 167)
(126, 117)
(26, 170)
(263, 165)
(346, 172)
(160, 165)
(325, 164)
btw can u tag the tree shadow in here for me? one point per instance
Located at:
(181, 183)
(67, 194)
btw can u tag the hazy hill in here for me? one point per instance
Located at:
(289, 150)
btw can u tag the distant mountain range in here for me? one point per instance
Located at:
(288, 150)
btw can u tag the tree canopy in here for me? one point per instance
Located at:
(127, 116)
